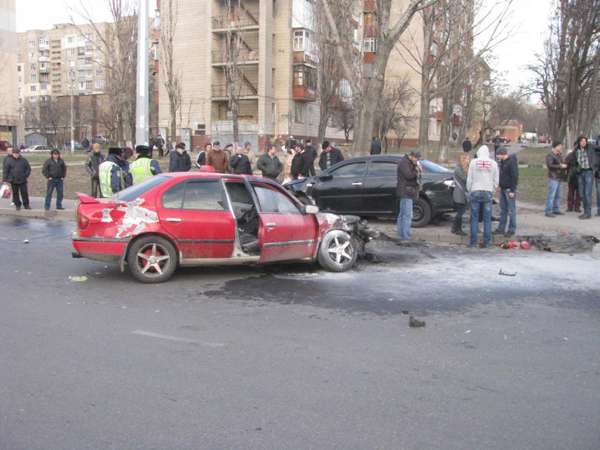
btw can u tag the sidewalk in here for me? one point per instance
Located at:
(37, 209)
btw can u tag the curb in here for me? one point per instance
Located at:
(65, 216)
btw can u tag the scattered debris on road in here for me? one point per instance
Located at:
(507, 274)
(26, 241)
(563, 243)
(81, 279)
(415, 323)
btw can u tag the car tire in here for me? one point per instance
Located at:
(152, 259)
(422, 213)
(338, 252)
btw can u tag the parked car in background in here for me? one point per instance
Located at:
(100, 140)
(67, 146)
(38, 149)
(208, 219)
(366, 187)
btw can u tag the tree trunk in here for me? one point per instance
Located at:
(424, 123)
(365, 117)
(173, 130)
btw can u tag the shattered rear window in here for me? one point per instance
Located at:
(133, 192)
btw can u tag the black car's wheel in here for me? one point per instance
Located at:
(152, 259)
(338, 251)
(422, 213)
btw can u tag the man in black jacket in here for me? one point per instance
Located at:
(16, 172)
(269, 164)
(311, 157)
(55, 171)
(300, 163)
(375, 146)
(407, 191)
(330, 156)
(180, 160)
(93, 168)
(239, 163)
(557, 172)
(509, 180)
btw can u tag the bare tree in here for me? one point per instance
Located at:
(392, 107)
(566, 75)
(343, 118)
(368, 90)
(116, 45)
(171, 76)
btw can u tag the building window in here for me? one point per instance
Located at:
(299, 112)
(89, 85)
(33, 88)
(298, 77)
(100, 85)
(299, 40)
(370, 45)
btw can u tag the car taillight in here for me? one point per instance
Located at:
(82, 220)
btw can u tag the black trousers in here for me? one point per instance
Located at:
(95, 187)
(20, 195)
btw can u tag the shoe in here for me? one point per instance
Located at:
(570, 210)
(46, 209)
(497, 232)
(27, 207)
(18, 208)
(551, 215)
(509, 234)
(459, 232)
(60, 209)
(578, 210)
(484, 246)
(585, 216)
(558, 213)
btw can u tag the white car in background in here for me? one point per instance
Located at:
(38, 149)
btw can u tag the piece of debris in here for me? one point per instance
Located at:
(507, 274)
(81, 279)
(405, 312)
(415, 323)
(26, 241)
(468, 332)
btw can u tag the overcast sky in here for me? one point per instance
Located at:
(529, 20)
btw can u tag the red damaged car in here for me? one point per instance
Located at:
(202, 219)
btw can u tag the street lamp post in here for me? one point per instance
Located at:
(72, 78)
(143, 75)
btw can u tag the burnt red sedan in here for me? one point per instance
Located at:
(202, 219)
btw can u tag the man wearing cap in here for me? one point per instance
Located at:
(16, 172)
(180, 160)
(407, 191)
(144, 166)
(112, 176)
(218, 159)
(482, 182)
(55, 171)
(508, 181)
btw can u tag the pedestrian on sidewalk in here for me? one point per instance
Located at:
(269, 164)
(573, 193)
(509, 181)
(585, 160)
(311, 157)
(407, 192)
(459, 194)
(201, 159)
(239, 162)
(482, 181)
(93, 168)
(55, 171)
(218, 159)
(16, 172)
(330, 156)
(250, 155)
(375, 146)
(557, 172)
(180, 160)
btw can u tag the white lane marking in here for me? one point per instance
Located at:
(177, 339)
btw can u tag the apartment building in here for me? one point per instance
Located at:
(9, 117)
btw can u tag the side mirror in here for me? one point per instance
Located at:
(325, 177)
(311, 209)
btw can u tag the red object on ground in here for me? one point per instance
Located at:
(525, 245)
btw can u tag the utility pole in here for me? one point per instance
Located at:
(143, 76)
(72, 77)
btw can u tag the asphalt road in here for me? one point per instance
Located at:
(294, 358)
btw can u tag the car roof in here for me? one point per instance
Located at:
(215, 175)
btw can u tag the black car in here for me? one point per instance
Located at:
(366, 187)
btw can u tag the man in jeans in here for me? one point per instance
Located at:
(509, 180)
(557, 172)
(55, 171)
(482, 182)
(585, 161)
(407, 191)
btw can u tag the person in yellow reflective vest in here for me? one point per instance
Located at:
(112, 176)
(144, 166)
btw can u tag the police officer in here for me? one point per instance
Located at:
(112, 176)
(144, 166)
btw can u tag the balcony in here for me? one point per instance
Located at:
(304, 94)
(302, 57)
(245, 57)
(43, 59)
(219, 92)
(239, 22)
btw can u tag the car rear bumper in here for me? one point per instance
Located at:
(98, 249)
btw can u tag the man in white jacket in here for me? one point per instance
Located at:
(482, 182)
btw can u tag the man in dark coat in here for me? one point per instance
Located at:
(330, 156)
(311, 157)
(239, 163)
(407, 191)
(93, 168)
(16, 172)
(55, 171)
(180, 160)
(300, 163)
(585, 162)
(557, 172)
(508, 182)
(375, 146)
(269, 164)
